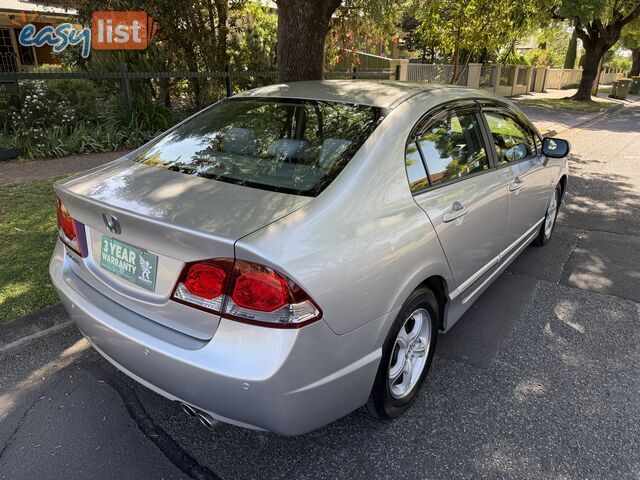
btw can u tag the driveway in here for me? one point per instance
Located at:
(538, 380)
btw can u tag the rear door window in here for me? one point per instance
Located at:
(291, 146)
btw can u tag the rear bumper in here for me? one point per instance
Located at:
(286, 381)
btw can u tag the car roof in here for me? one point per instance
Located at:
(379, 93)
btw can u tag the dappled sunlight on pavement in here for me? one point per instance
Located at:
(14, 396)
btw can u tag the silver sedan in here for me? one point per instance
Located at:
(290, 254)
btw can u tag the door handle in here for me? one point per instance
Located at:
(457, 211)
(517, 184)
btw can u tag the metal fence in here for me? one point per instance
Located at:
(226, 81)
(511, 80)
(506, 75)
(486, 76)
(433, 73)
(222, 83)
(8, 62)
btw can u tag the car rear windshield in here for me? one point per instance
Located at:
(290, 146)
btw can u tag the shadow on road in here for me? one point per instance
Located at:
(601, 201)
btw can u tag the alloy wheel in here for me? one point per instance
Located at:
(410, 353)
(552, 211)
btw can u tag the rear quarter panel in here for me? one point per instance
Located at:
(363, 245)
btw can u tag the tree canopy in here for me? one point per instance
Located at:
(598, 24)
(630, 38)
(463, 29)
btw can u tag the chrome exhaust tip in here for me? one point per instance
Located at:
(206, 421)
(189, 410)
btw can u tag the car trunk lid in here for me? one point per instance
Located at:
(165, 219)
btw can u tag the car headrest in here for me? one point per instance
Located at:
(288, 148)
(241, 141)
(331, 150)
(516, 152)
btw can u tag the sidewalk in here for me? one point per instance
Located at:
(552, 121)
(21, 171)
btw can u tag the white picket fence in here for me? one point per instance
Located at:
(507, 80)
(610, 75)
(561, 77)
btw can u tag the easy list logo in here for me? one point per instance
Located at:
(109, 31)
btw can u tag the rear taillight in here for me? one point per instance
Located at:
(67, 228)
(245, 291)
(203, 284)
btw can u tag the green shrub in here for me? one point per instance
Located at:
(86, 97)
(60, 141)
(37, 109)
(55, 118)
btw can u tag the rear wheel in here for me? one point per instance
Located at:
(407, 355)
(546, 229)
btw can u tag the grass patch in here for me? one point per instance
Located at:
(597, 105)
(27, 237)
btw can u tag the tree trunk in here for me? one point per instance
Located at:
(222, 9)
(635, 66)
(165, 94)
(302, 30)
(593, 54)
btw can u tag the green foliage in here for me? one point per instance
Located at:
(460, 29)
(613, 59)
(55, 118)
(568, 104)
(553, 43)
(37, 108)
(60, 141)
(569, 86)
(572, 51)
(27, 237)
(363, 25)
(630, 36)
(252, 44)
(191, 33)
(598, 24)
(586, 11)
(415, 42)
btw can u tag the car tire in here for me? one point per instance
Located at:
(409, 347)
(550, 216)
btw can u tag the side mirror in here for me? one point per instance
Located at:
(555, 147)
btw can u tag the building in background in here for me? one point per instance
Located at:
(14, 14)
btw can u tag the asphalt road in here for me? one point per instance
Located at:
(539, 380)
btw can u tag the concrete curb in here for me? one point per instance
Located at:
(609, 111)
(23, 330)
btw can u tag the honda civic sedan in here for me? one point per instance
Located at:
(291, 253)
